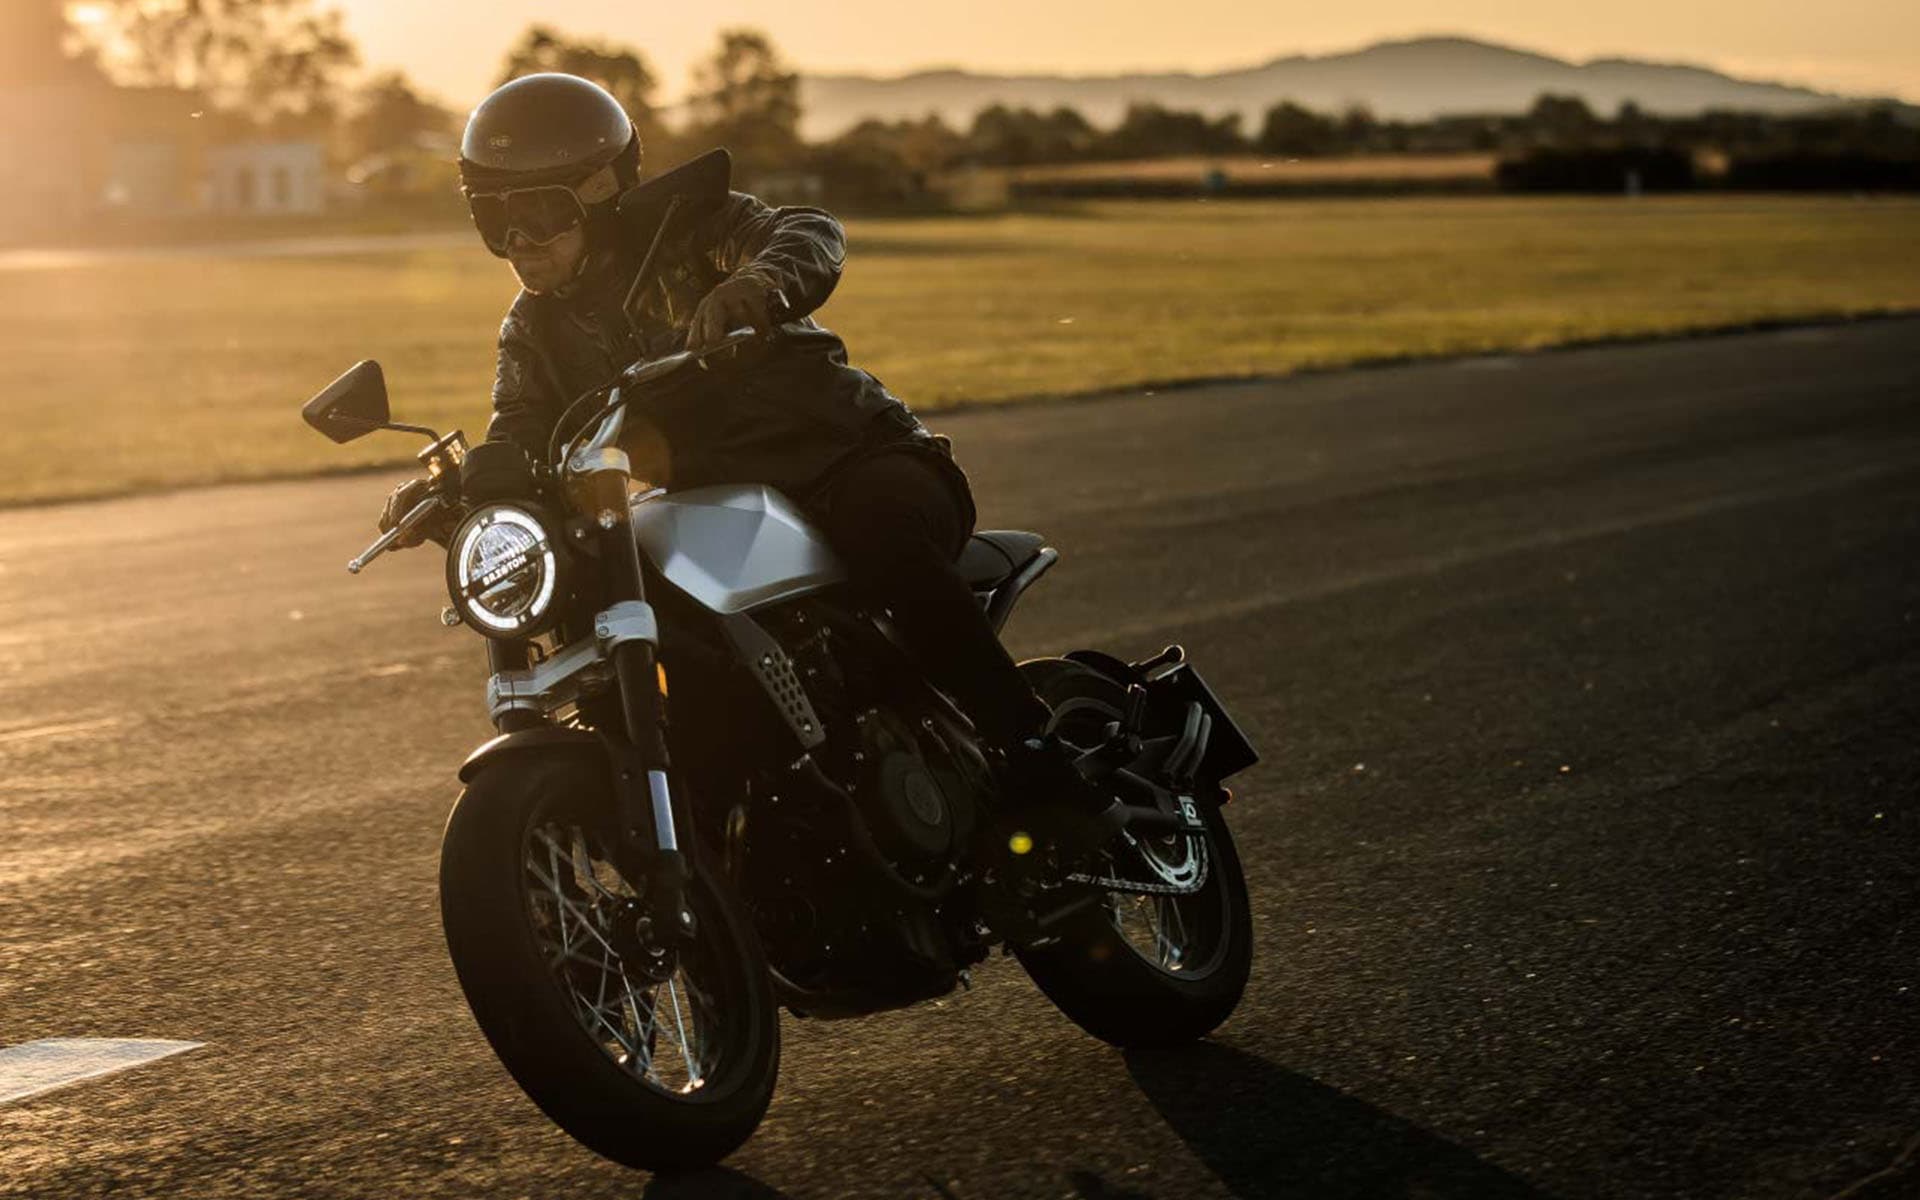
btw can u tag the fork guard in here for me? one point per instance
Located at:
(542, 739)
(626, 772)
(667, 870)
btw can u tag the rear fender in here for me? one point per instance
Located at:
(1170, 696)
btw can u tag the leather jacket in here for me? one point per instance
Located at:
(786, 418)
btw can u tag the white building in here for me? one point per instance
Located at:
(267, 178)
(144, 177)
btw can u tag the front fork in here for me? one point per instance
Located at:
(650, 823)
(651, 826)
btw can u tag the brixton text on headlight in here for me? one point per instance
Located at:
(503, 575)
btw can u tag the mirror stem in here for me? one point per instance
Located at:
(393, 426)
(646, 262)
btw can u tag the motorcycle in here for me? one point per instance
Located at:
(721, 786)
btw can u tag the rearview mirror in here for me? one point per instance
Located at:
(692, 189)
(352, 405)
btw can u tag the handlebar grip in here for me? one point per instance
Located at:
(779, 312)
(385, 541)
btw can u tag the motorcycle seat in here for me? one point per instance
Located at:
(991, 556)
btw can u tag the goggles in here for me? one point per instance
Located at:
(539, 214)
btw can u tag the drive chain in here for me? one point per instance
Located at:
(1114, 883)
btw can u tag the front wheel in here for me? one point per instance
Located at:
(1160, 965)
(652, 1068)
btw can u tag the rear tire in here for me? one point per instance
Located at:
(533, 1001)
(1102, 980)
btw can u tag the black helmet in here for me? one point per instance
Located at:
(549, 131)
(544, 128)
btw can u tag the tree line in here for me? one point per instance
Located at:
(286, 66)
(1022, 136)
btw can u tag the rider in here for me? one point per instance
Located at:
(543, 162)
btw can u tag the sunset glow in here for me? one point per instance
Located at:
(1860, 46)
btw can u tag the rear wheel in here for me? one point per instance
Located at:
(1163, 956)
(651, 1067)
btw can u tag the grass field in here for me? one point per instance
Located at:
(118, 374)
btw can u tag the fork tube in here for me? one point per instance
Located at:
(636, 664)
(506, 656)
(511, 656)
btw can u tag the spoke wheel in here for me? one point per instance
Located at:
(667, 1034)
(1144, 966)
(658, 1061)
(1180, 931)
(1176, 933)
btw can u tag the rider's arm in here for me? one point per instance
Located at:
(524, 404)
(649, 456)
(797, 252)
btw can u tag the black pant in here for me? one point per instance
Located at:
(899, 518)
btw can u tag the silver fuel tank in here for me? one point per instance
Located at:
(734, 547)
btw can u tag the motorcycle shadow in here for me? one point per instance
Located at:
(1268, 1132)
(713, 1183)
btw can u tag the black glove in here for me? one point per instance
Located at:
(735, 302)
(404, 500)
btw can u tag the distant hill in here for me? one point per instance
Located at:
(1414, 79)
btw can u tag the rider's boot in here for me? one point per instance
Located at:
(1051, 823)
(1056, 816)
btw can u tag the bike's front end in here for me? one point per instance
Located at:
(613, 972)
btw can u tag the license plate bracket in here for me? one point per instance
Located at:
(1228, 750)
(1188, 812)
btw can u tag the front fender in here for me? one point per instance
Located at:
(545, 739)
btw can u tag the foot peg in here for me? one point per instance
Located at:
(1172, 656)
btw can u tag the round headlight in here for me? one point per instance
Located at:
(502, 572)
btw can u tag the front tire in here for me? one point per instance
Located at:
(660, 1075)
(1182, 980)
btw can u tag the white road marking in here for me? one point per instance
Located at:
(40, 731)
(35, 1067)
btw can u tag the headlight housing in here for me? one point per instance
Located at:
(504, 571)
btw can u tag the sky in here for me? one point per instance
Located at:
(453, 47)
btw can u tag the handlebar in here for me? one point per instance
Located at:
(415, 515)
(607, 425)
(610, 420)
(779, 312)
(659, 368)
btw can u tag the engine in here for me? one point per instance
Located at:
(919, 814)
(855, 855)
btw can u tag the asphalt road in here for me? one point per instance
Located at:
(1585, 852)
